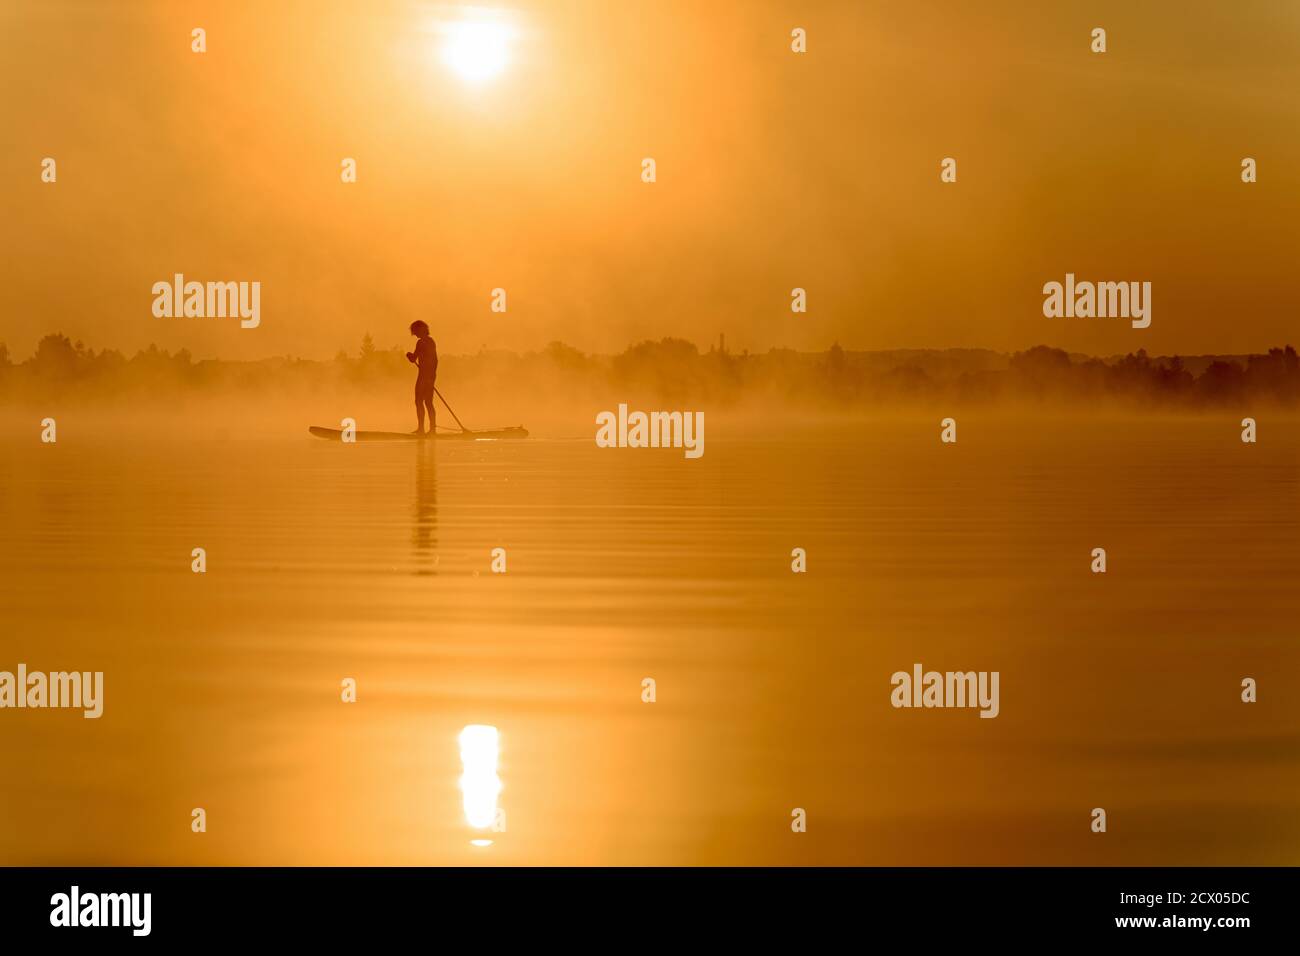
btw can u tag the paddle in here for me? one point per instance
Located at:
(453, 414)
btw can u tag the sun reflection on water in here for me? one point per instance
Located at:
(480, 786)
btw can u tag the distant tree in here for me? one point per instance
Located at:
(1276, 374)
(55, 357)
(1173, 380)
(671, 366)
(665, 350)
(565, 356)
(1221, 381)
(835, 373)
(1040, 369)
(108, 361)
(1041, 360)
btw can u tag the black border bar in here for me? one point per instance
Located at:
(446, 906)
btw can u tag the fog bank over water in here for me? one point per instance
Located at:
(557, 392)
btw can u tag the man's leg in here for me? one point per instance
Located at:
(419, 414)
(433, 414)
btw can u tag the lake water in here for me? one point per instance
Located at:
(373, 562)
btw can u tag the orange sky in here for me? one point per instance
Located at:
(774, 170)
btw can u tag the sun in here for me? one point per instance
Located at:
(476, 50)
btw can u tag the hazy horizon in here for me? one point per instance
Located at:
(351, 349)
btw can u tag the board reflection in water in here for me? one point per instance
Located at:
(424, 534)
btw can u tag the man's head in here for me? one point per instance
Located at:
(420, 327)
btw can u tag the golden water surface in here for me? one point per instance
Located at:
(373, 562)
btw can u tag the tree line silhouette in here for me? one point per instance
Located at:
(676, 369)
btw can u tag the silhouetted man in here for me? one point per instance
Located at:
(425, 357)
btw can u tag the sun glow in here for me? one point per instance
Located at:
(476, 49)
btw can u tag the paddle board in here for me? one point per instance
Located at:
(336, 434)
